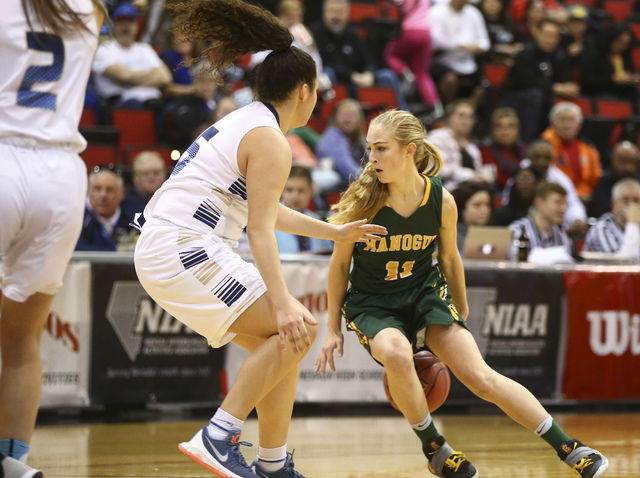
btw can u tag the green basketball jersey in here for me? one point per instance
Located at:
(402, 259)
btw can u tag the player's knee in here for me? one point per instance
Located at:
(396, 359)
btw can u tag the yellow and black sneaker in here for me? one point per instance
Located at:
(445, 462)
(585, 461)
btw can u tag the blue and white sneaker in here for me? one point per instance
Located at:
(12, 468)
(286, 471)
(222, 457)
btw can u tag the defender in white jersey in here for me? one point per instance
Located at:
(46, 53)
(230, 178)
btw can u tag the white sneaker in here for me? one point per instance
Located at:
(222, 457)
(12, 468)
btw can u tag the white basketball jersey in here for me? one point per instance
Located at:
(43, 77)
(206, 192)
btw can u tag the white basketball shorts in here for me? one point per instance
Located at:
(198, 279)
(42, 197)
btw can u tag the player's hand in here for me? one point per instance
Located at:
(359, 231)
(291, 317)
(334, 341)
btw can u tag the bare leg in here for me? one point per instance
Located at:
(391, 348)
(275, 409)
(21, 326)
(456, 347)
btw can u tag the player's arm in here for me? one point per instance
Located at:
(449, 259)
(267, 157)
(339, 266)
(300, 224)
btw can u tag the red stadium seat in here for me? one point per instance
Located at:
(618, 9)
(582, 101)
(635, 28)
(88, 118)
(377, 97)
(99, 155)
(495, 74)
(364, 11)
(136, 127)
(635, 56)
(614, 109)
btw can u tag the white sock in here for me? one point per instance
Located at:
(272, 459)
(222, 423)
(545, 426)
(423, 424)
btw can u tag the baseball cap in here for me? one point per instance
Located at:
(578, 12)
(125, 9)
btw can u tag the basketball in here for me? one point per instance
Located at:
(434, 378)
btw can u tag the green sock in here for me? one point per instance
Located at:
(555, 436)
(426, 430)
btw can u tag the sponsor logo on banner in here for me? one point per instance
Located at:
(142, 326)
(66, 333)
(614, 332)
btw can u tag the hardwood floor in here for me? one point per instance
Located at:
(339, 447)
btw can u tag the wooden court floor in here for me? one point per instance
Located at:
(339, 447)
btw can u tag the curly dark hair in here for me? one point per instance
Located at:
(234, 28)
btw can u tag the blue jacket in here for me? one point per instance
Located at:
(95, 238)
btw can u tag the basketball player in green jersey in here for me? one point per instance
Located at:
(400, 302)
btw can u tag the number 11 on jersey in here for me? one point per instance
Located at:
(392, 270)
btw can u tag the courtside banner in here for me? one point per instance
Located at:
(140, 353)
(603, 339)
(358, 378)
(515, 317)
(66, 341)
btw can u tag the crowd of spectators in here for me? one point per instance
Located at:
(500, 142)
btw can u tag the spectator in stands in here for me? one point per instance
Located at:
(129, 74)
(345, 56)
(609, 69)
(409, 54)
(543, 226)
(576, 39)
(148, 174)
(618, 232)
(540, 71)
(291, 14)
(224, 106)
(344, 141)
(459, 36)
(503, 32)
(178, 56)
(505, 149)
(105, 225)
(575, 158)
(298, 195)
(539, 157)
(535, 12)
(187, 112)
(520, 198)
(624, 164)
(461, 158)
(474, 207)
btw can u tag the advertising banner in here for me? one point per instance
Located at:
(66, 341)
(603, 336)
(358, 378)
(515, 317)
(141, 354)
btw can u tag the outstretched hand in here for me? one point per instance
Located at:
(334, 341)
(359, 231)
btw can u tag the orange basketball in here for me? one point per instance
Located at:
(434, 377)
